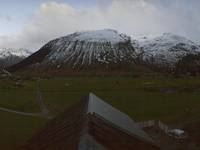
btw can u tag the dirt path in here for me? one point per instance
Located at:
(23, 113)
(41, 104)
(45, 113)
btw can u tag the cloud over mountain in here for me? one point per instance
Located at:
(134, 17)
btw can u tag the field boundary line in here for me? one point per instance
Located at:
(23, 113)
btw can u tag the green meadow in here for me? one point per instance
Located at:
(169, 99)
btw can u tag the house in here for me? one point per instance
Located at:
(91, 124)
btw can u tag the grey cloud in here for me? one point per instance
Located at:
(134, 17)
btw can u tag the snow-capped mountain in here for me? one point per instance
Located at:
(166, 50)
(90, 48)
(109, 49)
(10, 56)
(84, 50)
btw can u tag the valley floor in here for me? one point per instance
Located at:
(175, 101)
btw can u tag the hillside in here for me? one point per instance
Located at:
(166, 50)
(10, 56)
(108, 50)
(83, 50)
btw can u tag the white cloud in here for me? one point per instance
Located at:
(133, 17)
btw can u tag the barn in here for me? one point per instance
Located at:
(91, 124)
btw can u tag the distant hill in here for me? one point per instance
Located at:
(83, 50)
(165, 51)
(10, 56)
(109, 50)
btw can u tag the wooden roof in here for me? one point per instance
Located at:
(91, 124)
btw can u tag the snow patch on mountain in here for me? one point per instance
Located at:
(7, 52)
(90, 47)
(10, 56)
(167, 49)
(106, 35)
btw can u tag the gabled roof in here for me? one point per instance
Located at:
(116, 117)
(91, 124)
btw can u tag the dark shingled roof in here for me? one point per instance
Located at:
(91, 124)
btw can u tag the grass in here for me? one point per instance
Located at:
(168, 99)
(18, 98)
(127, 94)
(15, 129)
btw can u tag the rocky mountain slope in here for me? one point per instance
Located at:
(166, 50)
(10, 56)
(89, 49)
(109, 49)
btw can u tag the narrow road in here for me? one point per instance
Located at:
(23, 113)
(41, 104)
(45, 113)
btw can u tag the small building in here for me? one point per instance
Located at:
(91, 124)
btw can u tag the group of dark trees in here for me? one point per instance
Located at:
(189, 65)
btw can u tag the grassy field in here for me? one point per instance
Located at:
(15, 129)
(172, 100)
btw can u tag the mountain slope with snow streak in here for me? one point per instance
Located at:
(166, 50)
(84, 50)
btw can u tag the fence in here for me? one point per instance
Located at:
(163, 127)
(154, 123)
(146, 124)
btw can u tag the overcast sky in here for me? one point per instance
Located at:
(32, 23)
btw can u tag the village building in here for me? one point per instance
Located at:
(91, 124)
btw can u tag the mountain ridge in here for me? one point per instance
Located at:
(109, 49)
(81, 50)
(10, 56)
(166, 50)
